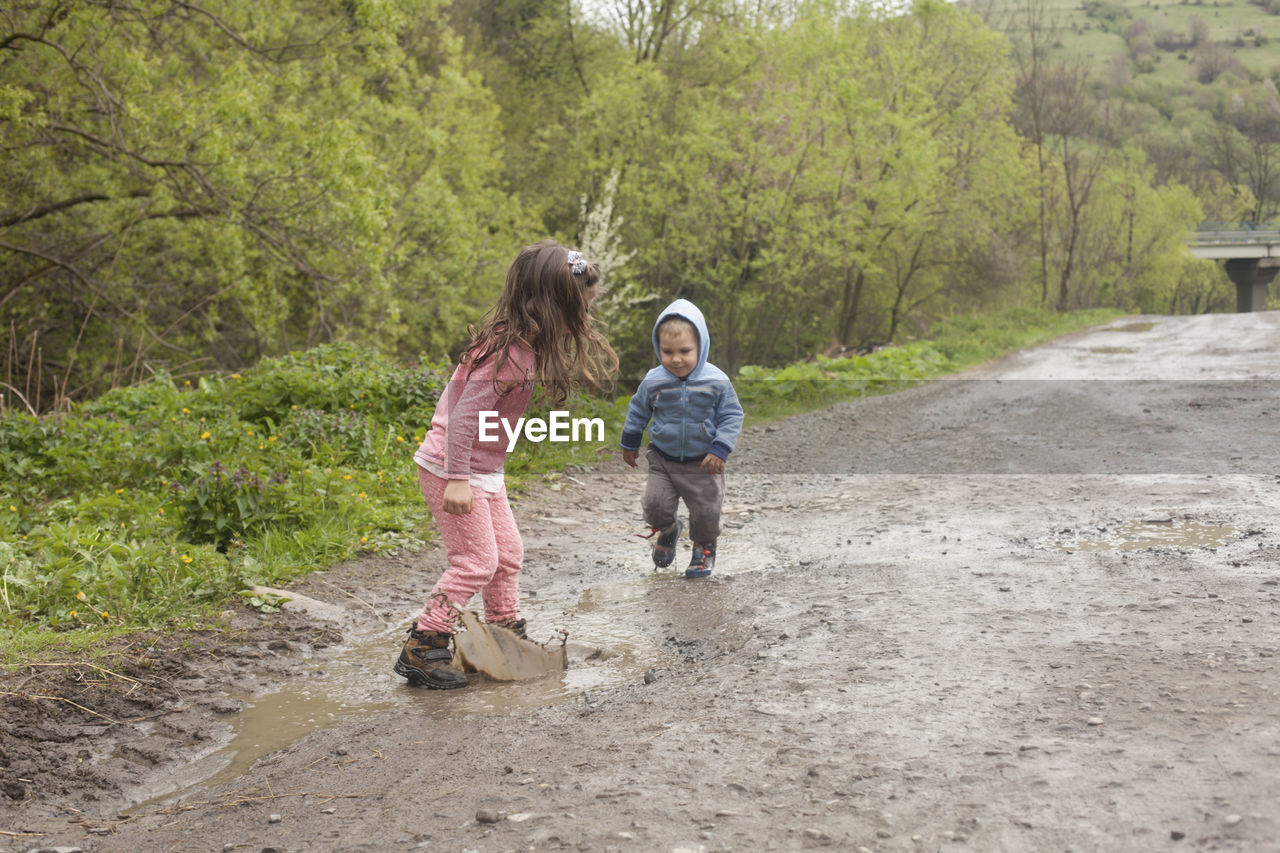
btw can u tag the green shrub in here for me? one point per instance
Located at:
(155, 500)
(221, 507)
(92, 576)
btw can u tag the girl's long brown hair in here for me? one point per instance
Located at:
(544, 307)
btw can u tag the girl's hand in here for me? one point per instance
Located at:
(457, 497)
(630, 456)
(712, 464)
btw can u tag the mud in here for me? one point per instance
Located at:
(1033, 608)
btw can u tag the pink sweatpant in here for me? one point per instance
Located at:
(485, 555)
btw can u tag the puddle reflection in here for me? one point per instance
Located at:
(1147, 533)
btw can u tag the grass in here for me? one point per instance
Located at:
(150, 508)
(20, 646)
(951, 346)
(1095, 32)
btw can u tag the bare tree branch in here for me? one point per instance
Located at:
(54, 265)
(91, 287)
(112, 146)
(11, 219)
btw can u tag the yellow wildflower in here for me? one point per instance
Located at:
(80, 596)
(206, 435)
(73, 613)
(186, 558)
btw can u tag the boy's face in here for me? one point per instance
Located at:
(678, 347)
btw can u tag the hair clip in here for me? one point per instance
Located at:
(579, 266)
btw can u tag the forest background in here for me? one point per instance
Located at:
(270, 225)
(192, 187)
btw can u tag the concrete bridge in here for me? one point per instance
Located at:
(1252, 257)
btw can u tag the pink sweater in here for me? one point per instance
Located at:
(453, 442)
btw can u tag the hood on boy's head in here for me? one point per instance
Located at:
(687, 310)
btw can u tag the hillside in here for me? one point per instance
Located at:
(1170, 43)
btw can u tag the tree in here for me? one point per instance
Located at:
(194, 186)
(1244, 144)
(1078, 126)
(831, 152)
(1198, 30)
(1134, 251)
(1032, 38)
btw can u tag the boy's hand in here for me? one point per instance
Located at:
(630, 456)
(712, 464)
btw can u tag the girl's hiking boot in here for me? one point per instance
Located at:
(664, 547)
(426, 660)
(704, 558)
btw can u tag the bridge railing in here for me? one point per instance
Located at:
(1210, 233)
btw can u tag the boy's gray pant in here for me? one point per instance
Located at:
(703, 495)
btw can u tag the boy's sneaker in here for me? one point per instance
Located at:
(664, 547)
(704, 558)
(426, 660)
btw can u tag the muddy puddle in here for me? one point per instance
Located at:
(611, 640)
(608, 643)
(1131, 327)
(1141, 534)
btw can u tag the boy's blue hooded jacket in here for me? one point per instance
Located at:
(692, 417)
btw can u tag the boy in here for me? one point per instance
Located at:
(696, 419)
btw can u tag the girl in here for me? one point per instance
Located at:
(540, 330)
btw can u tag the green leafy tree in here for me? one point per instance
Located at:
(819, 191)
(1133, 254)
(1243, 144)
(194, 186)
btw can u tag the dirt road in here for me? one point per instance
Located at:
(1033, 608)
